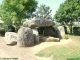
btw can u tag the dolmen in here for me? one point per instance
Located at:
(28, 35)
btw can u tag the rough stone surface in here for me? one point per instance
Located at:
(27, 23)
(61, 32)
(49, 39)
(38, 23)
(25, 37)
(36, 35)
(11, 38)
(49, 31)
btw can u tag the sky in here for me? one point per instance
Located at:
(1, 1)
(54, 4)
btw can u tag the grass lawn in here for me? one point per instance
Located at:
(63, 52)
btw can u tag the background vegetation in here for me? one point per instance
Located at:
(68, 12)
(14, 11)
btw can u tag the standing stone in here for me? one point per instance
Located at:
(11, 38)
(61, 32)
(36, 35)
(25, 37)
(49, 31)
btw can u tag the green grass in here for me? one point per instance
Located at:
(62, 52)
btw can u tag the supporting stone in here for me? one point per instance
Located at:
(25, 37)
(36, 35)
(49, 31)
(61, 32)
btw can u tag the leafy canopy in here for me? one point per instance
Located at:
(68, 11)
(43, 12)
(16, 10)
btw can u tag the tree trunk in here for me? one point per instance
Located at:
(71, 24)
(70, 28)
(18, 24)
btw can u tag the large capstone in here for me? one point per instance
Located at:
(38, 23)
(25, 37)
(11, 38)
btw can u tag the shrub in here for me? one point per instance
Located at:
(9, 28)
(2, 31)
(76, 30)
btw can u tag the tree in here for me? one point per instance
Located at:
(43, 12)
(67, 12)
(16, 10)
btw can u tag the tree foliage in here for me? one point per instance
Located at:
(43, 12)
(68, 11)
(16, 10)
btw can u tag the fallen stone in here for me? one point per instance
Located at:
(48, 39)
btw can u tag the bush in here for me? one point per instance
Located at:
(9, 28)
(76, 30)
(2, 31)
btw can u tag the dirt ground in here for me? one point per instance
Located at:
(26, 53)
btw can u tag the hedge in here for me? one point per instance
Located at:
(76, 31)
(2, 31)
(9, 28)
